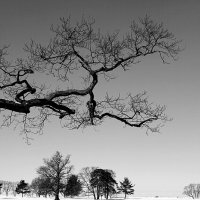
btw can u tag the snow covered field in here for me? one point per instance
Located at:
(80, 198)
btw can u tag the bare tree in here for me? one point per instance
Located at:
(56, 169)
(85, 177)
(192, 190)
(13, 188)
(80, 51)
(7, 187)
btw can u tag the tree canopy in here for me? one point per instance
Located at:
(22, 187)
(42, 186)
(60, 78)
(73, 187)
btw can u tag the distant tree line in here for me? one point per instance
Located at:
(55, 178)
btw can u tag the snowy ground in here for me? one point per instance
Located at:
(80, 198)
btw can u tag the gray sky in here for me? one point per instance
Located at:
(159, 164)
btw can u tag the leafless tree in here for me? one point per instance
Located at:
(29, 99)
(192, 190)
(7, 187)
(56, 170)
(85, 177)
(13, 188)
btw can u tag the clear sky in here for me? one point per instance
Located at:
(159, 164)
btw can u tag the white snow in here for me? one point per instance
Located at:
(19, 197)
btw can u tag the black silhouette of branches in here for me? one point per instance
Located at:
(60, 78)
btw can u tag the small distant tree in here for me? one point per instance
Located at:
(1, 187)
(192, 190)
(126, 187)
(56, 169)
(13, 188)
(22, 188)
(73, 186)
(35, 186)
(7, 187)
(42, 186)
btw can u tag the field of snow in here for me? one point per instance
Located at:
(81, 198)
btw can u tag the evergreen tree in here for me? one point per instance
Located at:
(22, 188)
(126, 187)
(103, 182)
(0, 187)
(73, 187)
(42, 186)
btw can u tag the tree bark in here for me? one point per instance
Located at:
(94, 194)
(57, 196)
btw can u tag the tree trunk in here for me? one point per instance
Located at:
(57, 189)
(93, 194)
(57, 196)
(107, 193)
(98, 192)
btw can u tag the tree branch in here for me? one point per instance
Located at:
(75, 52)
